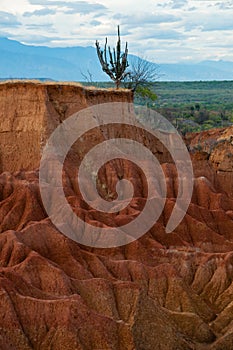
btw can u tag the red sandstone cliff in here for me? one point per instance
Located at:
(163, 291)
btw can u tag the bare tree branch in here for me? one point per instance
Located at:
(141, 73)
(88, 76)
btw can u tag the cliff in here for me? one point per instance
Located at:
(30, 111)
(163, 291)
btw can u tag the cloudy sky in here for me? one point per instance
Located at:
(162, 31)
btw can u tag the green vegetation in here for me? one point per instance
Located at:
(191, 106)
(195, 106)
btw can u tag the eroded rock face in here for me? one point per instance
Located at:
(30, 111)
(216, 146)
(163, 291)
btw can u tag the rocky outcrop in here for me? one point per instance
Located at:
(30, 111)
(163, 291)
(215, 149)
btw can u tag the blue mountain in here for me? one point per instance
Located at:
(68, 63)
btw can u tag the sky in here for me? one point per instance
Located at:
(161, 31)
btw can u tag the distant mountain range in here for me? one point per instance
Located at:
(67, 64)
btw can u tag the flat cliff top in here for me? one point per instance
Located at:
(58, 83)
